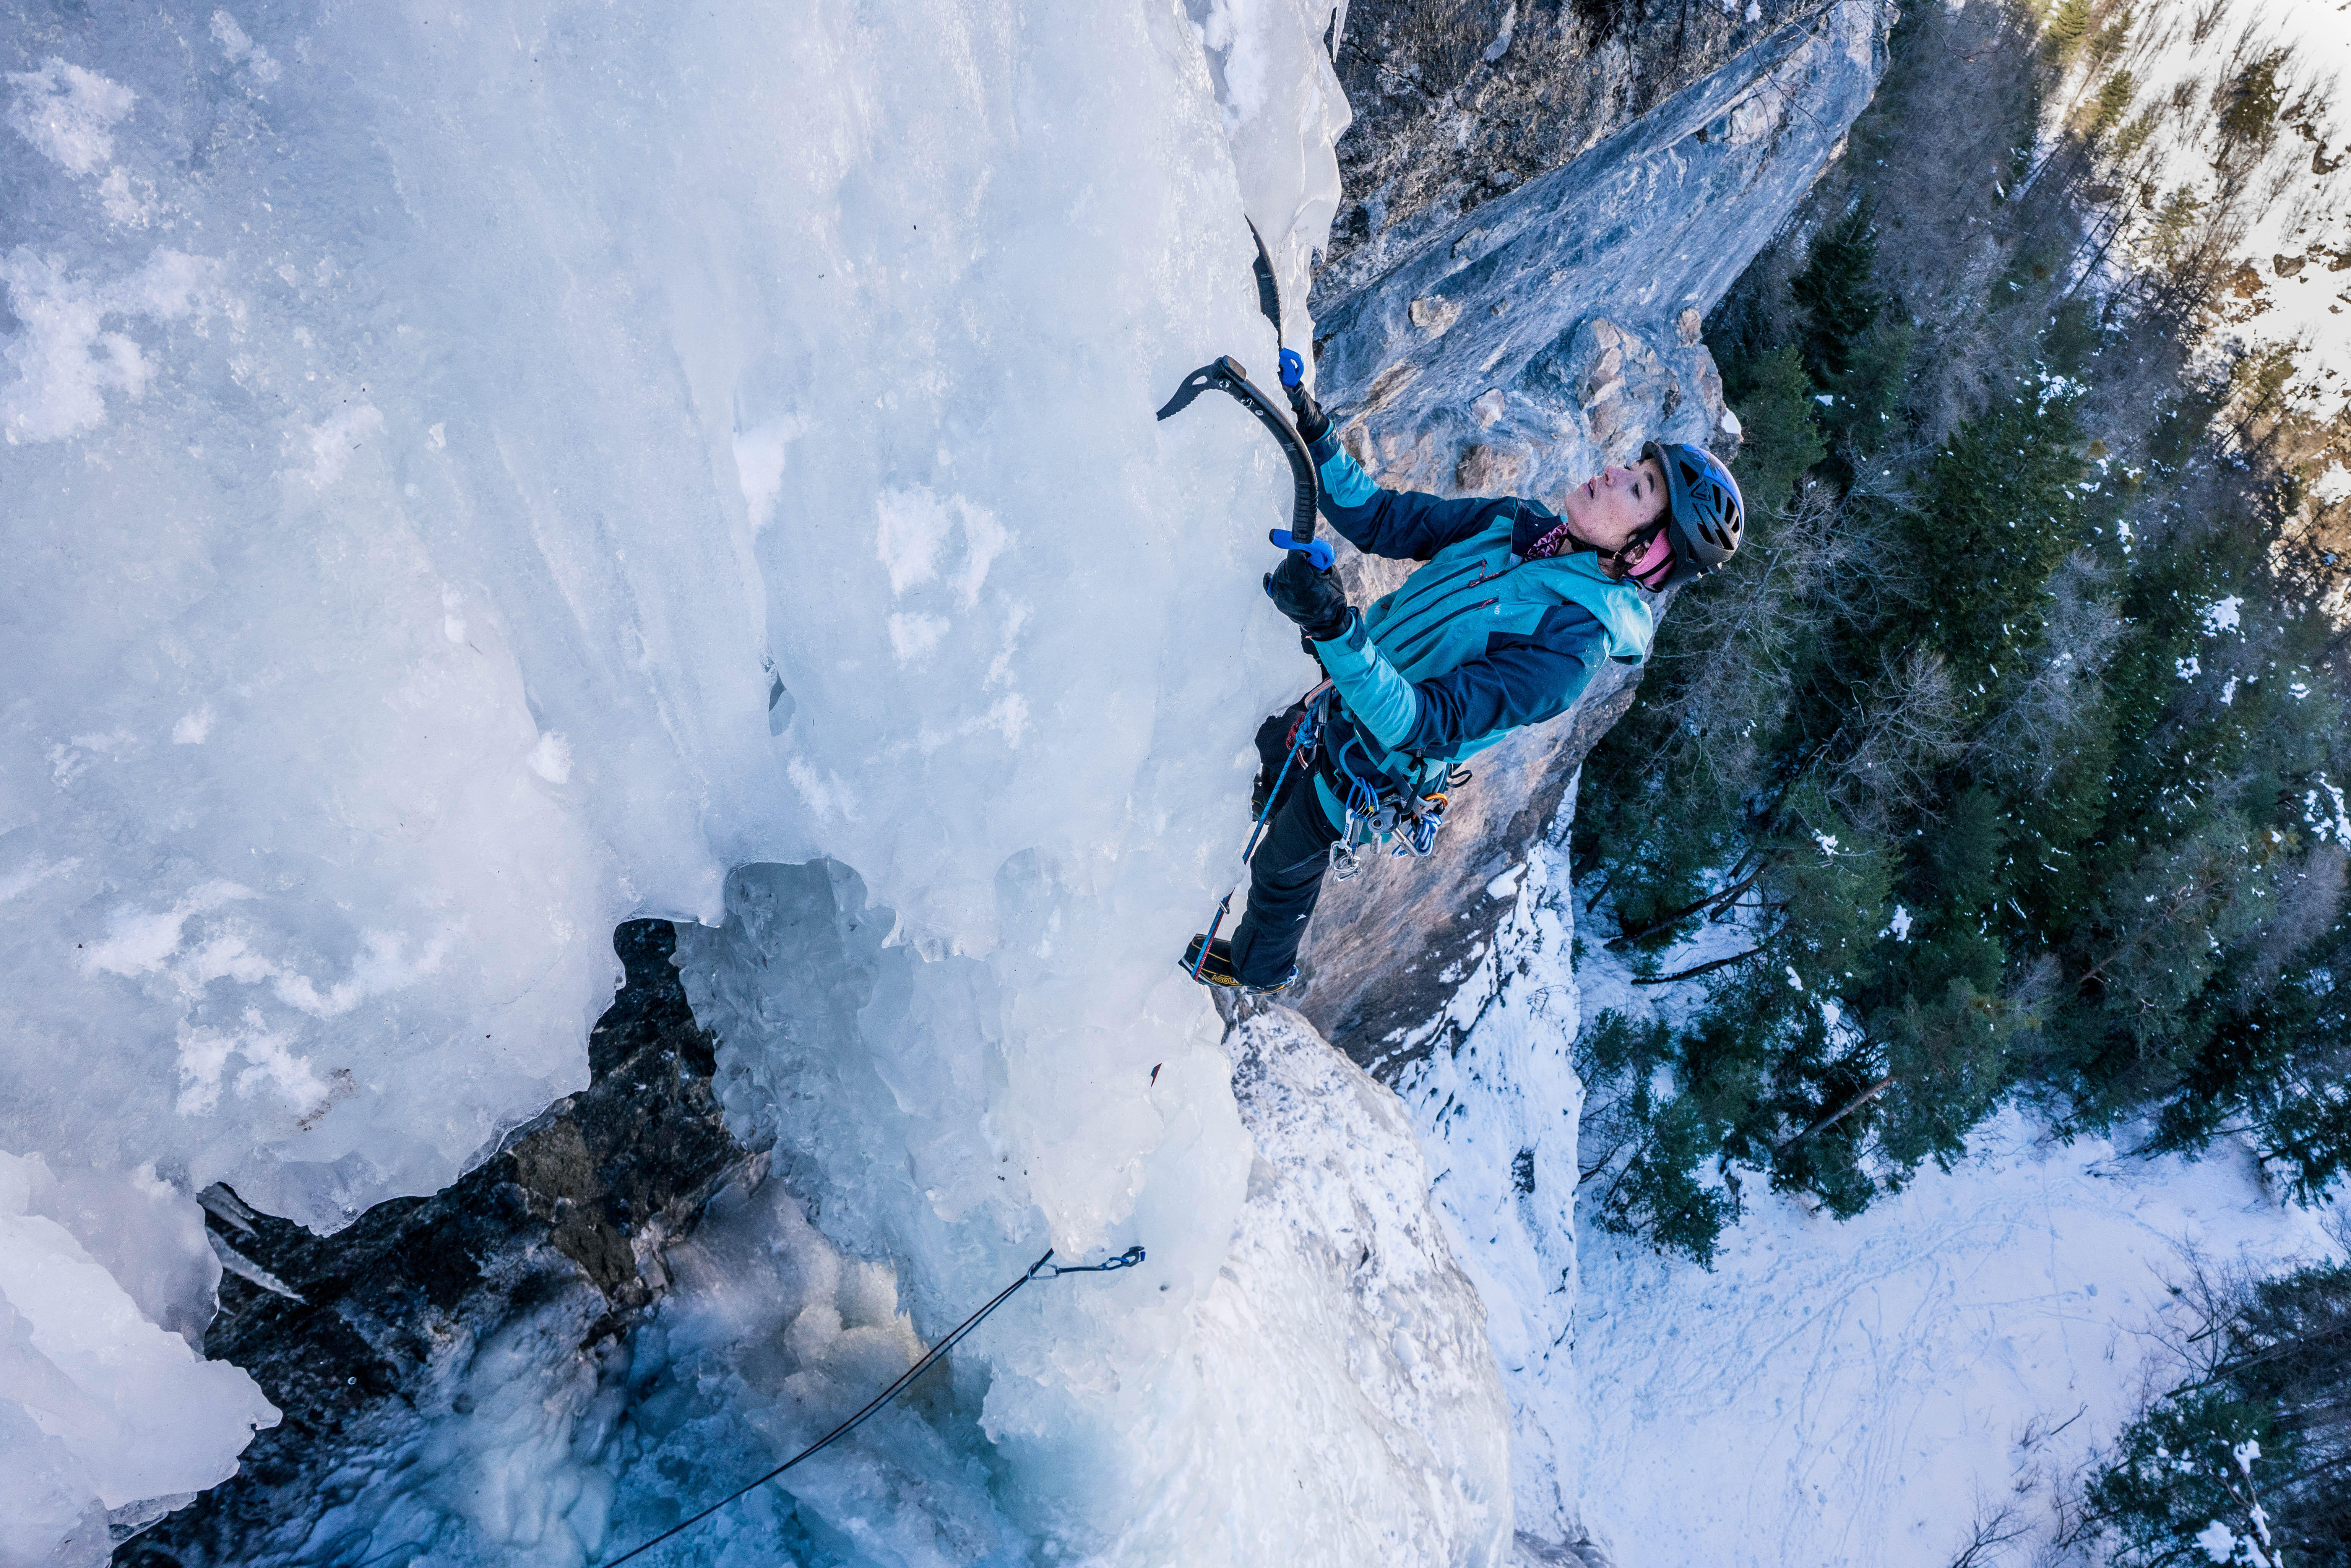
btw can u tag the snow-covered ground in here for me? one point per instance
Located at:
(1870, 1391)
(2296, 293)
(1859, 1393)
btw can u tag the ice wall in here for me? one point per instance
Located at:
(1272, 63)
(476, 475)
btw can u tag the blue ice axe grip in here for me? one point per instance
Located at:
(1316, 551)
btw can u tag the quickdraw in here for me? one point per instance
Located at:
(1405, 820)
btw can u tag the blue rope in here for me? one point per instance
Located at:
(1043, 1268)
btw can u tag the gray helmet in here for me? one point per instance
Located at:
(1704, 517)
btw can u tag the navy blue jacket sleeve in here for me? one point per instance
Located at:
(1401, 524)
(1520, 680)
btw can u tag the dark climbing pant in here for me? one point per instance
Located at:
(1286, 873)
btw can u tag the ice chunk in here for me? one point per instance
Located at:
(104, 1283)
(67, 113)
(1283, 113)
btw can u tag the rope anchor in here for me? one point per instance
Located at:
(1043, 1268)
(1126, 1259)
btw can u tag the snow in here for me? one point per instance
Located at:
(2323, 809)
(1495, 1103)
(2333, 484)
(67, 113)
(2297, 308)
(1866, 1392)
(1851, 1394)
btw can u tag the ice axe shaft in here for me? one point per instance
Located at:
(1226, 374)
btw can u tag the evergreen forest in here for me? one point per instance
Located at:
(2007, 763)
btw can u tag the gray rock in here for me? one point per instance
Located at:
(1457, 101)
(351, 1335)
(1572, 315)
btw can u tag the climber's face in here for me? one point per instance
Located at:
(1609, 510)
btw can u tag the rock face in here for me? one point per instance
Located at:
(1458, 102)
(1516, 346)
(351, 1333)
(1541, 324)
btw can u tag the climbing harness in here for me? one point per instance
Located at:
(1395, 815)
(1043, 1268)
(1301, 739)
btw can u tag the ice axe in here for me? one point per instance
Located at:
(1226, 374)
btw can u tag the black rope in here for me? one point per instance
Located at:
(1044, 1268)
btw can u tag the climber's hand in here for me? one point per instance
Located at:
(1306, 412)
(1313, 599)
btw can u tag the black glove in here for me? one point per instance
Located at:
(1313, 599)
(1306, 412)
(1307, 415)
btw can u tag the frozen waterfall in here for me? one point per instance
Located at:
(475, 475)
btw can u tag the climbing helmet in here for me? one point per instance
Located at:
(1704, 517)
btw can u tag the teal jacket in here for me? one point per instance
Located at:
(1477, 642)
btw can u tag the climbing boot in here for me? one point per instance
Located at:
(1216, 968)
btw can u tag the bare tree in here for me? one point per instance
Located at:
(2032, 732)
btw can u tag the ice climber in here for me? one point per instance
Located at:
(1502, 626)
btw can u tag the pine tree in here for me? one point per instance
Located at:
(1838, 291)
(2114, 102)
(2248, 1458)
(1780, 438)
(1999, 506)
(2062, 33)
